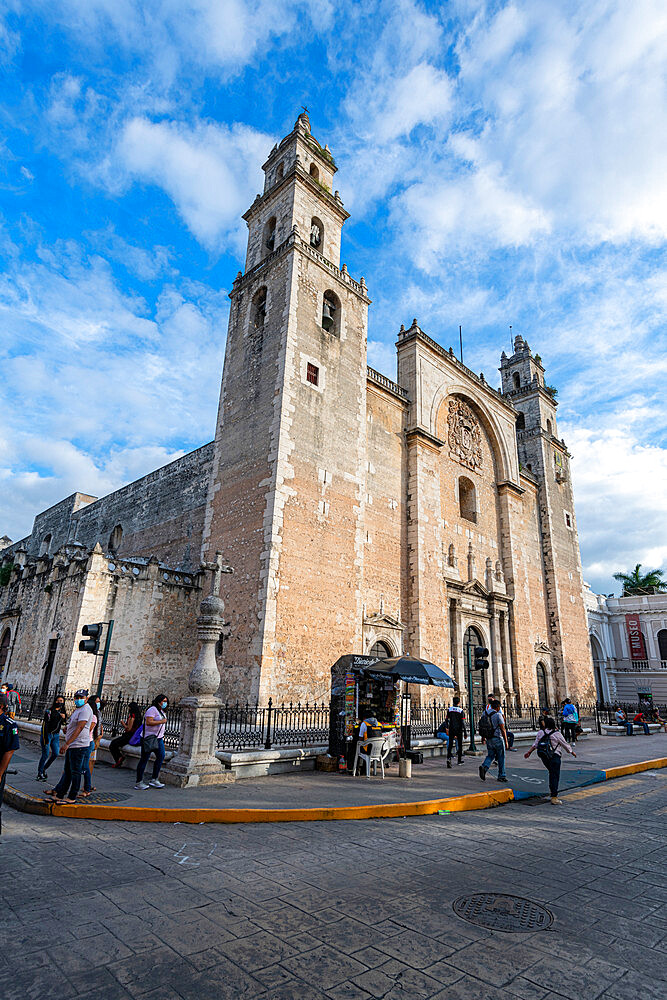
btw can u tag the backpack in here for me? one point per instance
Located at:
(545, 749)
(485, 726)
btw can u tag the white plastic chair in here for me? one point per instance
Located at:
(376, 753)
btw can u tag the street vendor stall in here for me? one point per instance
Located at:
(363, 687)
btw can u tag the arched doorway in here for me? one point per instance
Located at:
(4, 650)
(598, 667)
(542, 686)
(380, 650)
(472, 638)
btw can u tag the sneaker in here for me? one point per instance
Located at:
(142, 785)
(556, 801)
(154, 783)
(502, 779)
(461, 762)
(482, 773)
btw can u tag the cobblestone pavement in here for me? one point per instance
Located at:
(309, 911)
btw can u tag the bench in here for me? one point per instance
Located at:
(638, 729)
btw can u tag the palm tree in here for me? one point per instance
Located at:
(637, 582)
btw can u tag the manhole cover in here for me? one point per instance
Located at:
(503, 913)
(104, 798)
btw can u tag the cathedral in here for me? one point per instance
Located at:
(359, 514)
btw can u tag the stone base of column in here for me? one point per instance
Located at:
(196, 763)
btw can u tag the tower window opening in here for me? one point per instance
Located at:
(516, 378)
(316, 233)
(549, 427)
(521, 422)
(270, 234)
(259, 309)
(280, 172)
(331, 313)
(312, 374)
(45, 546)
(467, 499)
(116, 538)
(314, 172)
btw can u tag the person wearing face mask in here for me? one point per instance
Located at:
(152, 742)
(96, 730)
(77, 742)
(54, 720)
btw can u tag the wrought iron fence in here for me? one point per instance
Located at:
(245, 726)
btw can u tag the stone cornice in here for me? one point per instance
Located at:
(507, 486)
(423, 437)
(296, 171)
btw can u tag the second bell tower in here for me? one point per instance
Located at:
(286, 497)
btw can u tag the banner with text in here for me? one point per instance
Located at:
(635, 638)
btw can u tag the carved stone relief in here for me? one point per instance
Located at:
(465, 435)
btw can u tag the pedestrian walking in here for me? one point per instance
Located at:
(9, 742)
(570, 721)
(53, 721)
(96, 731)
(456, 730)
(493, 733)
(152, 742)
(77, 742)
(14, 699)
(550, 745)
(130, 727)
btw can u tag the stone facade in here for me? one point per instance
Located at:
(618, 676)
(354, 510)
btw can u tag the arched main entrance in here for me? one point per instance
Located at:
(380, 650)
(598, 667)
(472, 638)
(542, 686)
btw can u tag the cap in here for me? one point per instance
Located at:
(81, 693)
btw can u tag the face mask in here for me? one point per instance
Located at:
(79, 702)
(99, 705)
(163, 705)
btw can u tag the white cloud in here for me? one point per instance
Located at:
(621, 500)
(210, 171)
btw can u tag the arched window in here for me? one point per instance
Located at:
(316, 233)
(542, 688)
(314, 172)
(467, 499)
(549, 427)
(115, 538)
(521, 421)
(331, 313)
(45, 546)
(516, 378)
(662, 643)
(380, 650)
(4, 649)
(280, 172)
(270, 234)
(258, 309)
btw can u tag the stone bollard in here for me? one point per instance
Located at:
(404, 768)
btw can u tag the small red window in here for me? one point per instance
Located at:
(312, 373)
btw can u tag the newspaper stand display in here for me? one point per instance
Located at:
(359, 691)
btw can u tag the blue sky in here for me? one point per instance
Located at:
(503, 163)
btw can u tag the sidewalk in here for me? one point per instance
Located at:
(315, 790)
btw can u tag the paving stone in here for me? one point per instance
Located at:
(414, 949)
(572, 981)
(257, 951)
(324, 967)
(347, 991)
(275, 975)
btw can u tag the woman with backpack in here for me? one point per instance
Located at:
(54, 719)
(549, 745)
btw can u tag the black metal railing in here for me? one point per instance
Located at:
(246, 726)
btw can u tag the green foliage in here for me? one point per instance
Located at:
(552, 390)
(637, 582)
(6, 574)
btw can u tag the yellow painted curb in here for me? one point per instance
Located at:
(642, 765)
(139, 814)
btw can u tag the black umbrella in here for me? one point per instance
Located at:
(414, 671)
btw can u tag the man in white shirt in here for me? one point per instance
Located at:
(77, 741)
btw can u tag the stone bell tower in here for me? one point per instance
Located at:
(546, 456)
(285, 502)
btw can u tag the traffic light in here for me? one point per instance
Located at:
(92, 644)
(481, 661)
